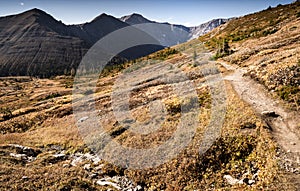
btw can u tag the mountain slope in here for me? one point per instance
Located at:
(100, 26)
(34, 43)
(167, 34)
(259, 54)
(176, 33)
(267, 45)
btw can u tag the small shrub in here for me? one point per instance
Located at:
(7, 114)
(173, 106)
(68, 83)
(77, 184)
(286, 92)
(223, 49)
(204, 98)
(53, 95)
(268, 32)
(163, 54)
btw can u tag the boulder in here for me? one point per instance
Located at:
(269, 114)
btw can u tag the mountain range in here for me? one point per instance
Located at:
(34, 43)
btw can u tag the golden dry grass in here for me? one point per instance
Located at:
(244, 145)
(265, 55)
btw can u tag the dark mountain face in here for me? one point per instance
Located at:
(34, 43)
(167, 34)
(170, 34)
(99, 27)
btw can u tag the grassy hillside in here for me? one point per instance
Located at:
(38, 114)
(254, 25)
(267, 44)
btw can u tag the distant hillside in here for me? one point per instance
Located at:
(173, 32)
(167, 34)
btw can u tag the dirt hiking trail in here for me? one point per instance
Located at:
(284, 124)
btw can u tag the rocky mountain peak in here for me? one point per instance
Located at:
(207, 27)
(106, 20)
(135, 18)
(102, 16)
(35, 13)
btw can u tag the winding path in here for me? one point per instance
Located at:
(284, 126)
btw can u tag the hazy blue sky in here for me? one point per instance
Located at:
(188, 12)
